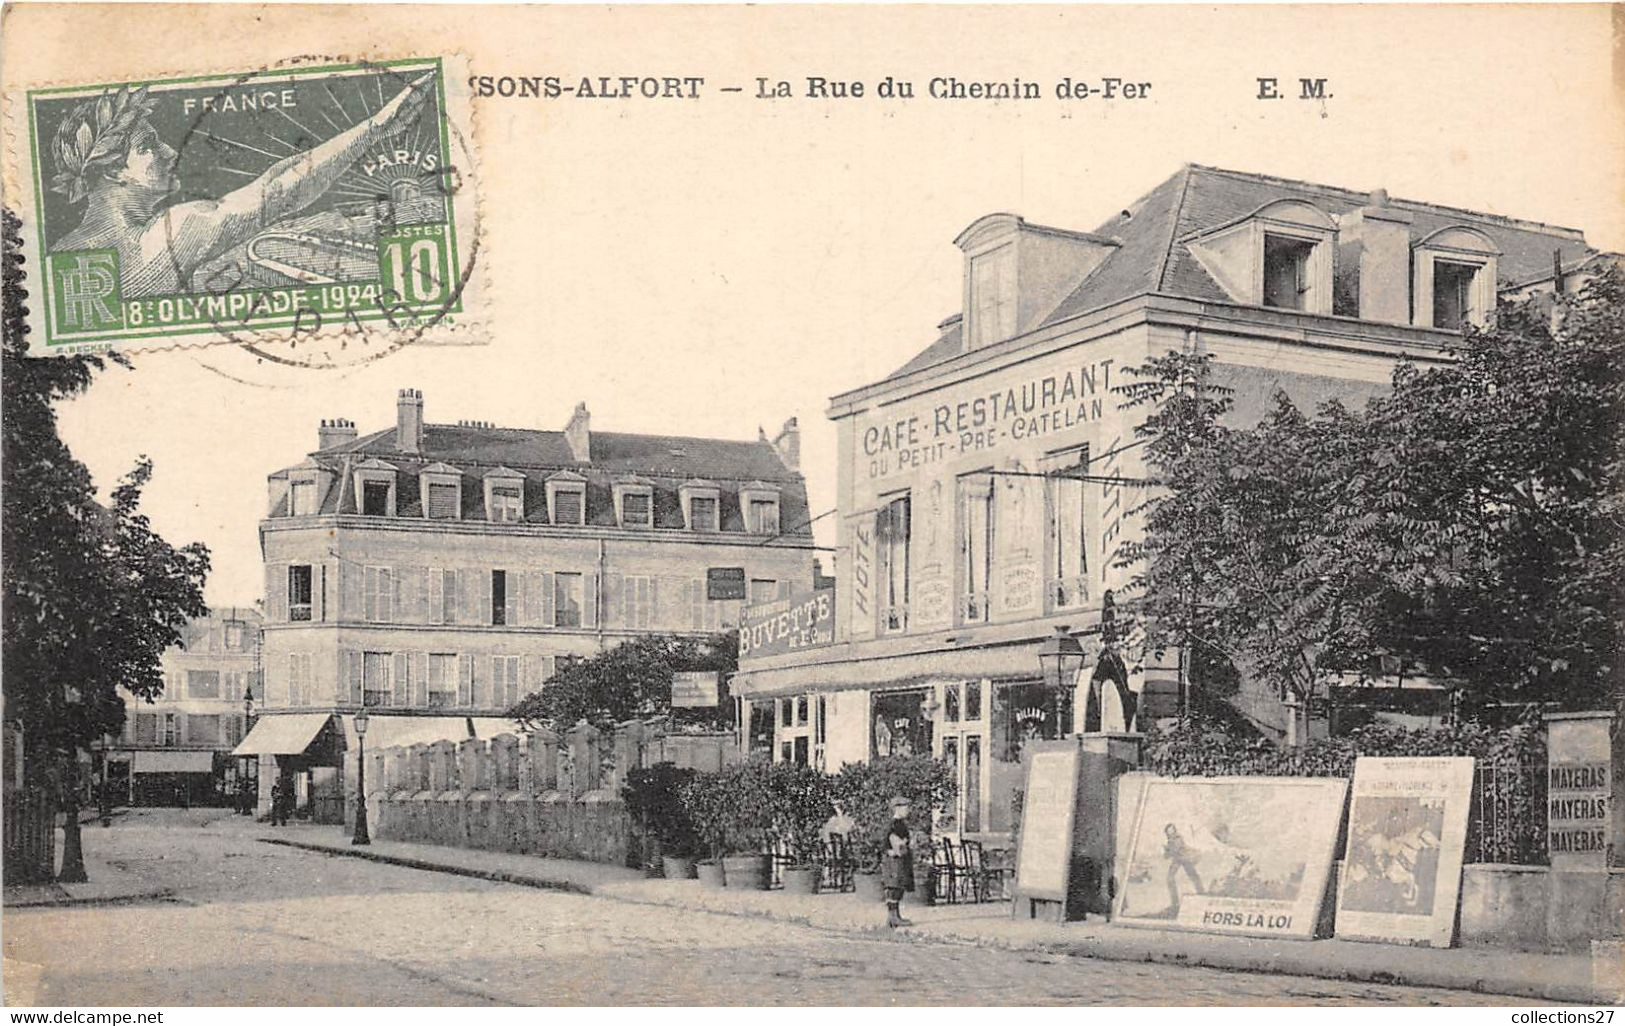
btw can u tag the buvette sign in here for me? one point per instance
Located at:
(803, 620)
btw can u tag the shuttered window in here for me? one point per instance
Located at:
(568, 506)
(442, 680)
(636, 509)
(375, 687)
(567, 598)
(302, 499)
(702, 514)
(639, 601)
(378, 595)
(299, 592)
(504, 681)
(443, 501)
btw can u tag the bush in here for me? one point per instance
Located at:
(653, 797)
(802, 800)
(732, 809)
(864, 791)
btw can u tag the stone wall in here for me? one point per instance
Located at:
(539, 793)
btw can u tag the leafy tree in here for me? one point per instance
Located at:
(92, 595)
(632, 679)
(1468, 521)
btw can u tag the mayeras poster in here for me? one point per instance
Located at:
(1402, 866)
(1212, 854)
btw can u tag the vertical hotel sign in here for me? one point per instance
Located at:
(861, 529)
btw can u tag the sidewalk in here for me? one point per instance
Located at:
(108, 885)
(1517, 974)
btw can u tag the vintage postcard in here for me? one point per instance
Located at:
(862, 505)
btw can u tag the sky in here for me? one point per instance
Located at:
(710, 266)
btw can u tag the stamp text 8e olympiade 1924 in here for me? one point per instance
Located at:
(267, 204)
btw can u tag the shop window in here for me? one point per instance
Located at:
(973, 700)
(900, 725)
(950, 703)
(785, 719)
(1023, 713)
(299, 592)
(801, 710)
(891, 552)
(800, 751)
(760, 736)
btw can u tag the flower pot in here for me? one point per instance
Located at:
(867, 886)
(710, 873)
(677, 867)
(747, 872)
(801, 879)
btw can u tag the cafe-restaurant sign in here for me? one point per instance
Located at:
(803, 620)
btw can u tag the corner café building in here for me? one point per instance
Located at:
(987, 486)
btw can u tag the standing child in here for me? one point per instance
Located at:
(897, 863)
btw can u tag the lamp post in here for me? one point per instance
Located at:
(247, 799)
(73, 853)
(361, 835)
(1060, 658)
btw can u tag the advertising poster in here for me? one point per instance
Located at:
(1402, 866)
(1211, 854)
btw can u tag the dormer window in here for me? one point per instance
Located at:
(1286, 271)
(442, 488)
(301, 497)
(505, 496)
(567, 499)
(1278, 256)
(634, 502)
(760, 504)
(375, 488)
(993, 296)
(702, 507)
(1454, 273)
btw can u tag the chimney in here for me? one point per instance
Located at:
(578, 433)
(335, 432)
(788, 443)
(1376, 240)
(409, 420)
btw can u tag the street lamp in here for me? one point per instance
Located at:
(361, 835)
(1060, 658)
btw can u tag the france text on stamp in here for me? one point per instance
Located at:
(271, 205)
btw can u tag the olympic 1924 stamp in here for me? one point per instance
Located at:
(262, 207)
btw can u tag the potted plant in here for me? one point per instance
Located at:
(865, 791)
(705, 802)
(749, 825)
(653, 800)
(802, 800)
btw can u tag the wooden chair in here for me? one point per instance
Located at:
(950, 883)
(838, 864)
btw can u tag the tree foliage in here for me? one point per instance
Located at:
(632, 680)
(1467, 521)
(92, 595)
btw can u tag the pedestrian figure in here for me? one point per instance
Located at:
(279, 802)
(897, 863)
(1179, 857)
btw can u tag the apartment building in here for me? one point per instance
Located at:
(437, 573)
(176, 750)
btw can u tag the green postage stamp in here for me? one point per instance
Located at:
(274, 206)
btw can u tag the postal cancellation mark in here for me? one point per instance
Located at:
(267, 204)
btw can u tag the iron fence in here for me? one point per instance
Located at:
(1508, 818)
(30, 836)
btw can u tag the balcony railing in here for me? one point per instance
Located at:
(893, 619)
(974, 607)
(1068, 592)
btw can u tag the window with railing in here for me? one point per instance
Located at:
(299, 592)
(892, 526)
(1069, 524)
(375, 689)
(442, 684)
(975, 546)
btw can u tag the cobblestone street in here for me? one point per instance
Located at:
(258, 924)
